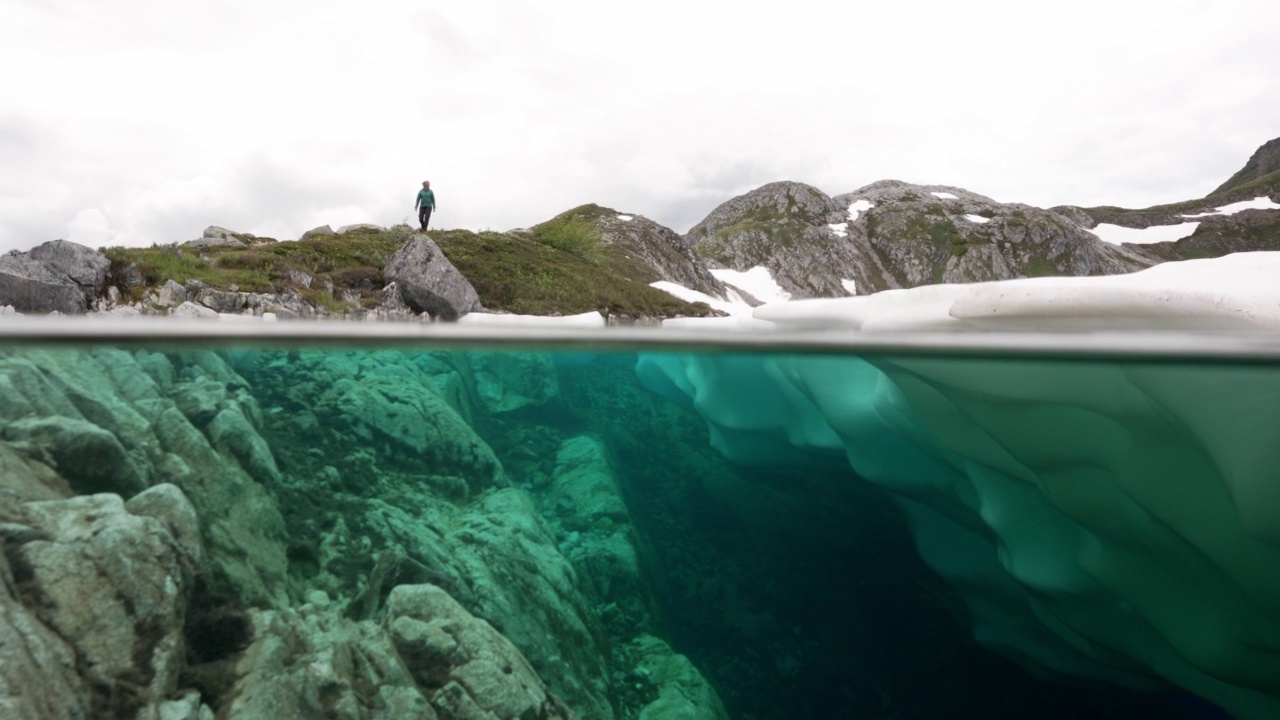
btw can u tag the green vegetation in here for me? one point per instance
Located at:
(940, 231)
(352, 261)
(518, 273)
(571, 232)
(1269, 182)
(561, 267)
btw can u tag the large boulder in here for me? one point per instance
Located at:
(428, 282)
(57, 276)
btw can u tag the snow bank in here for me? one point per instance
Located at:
(1116, 235)
(1258, 203)
(757, 281)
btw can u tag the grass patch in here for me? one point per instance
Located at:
(515, 272)
(351, 261)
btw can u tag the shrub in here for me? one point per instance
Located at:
(571, 234)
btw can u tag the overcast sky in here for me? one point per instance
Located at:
(143, 121)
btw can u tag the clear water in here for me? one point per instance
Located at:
(578, 500)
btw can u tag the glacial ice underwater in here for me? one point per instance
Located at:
(820, 535)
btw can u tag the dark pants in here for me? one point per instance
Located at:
(424, 216)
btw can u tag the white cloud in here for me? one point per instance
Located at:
(273, 118)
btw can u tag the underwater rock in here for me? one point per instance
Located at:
(463, 659)
(430, 658)
(91, 459)
(38, 677)
(121, 407)
(383, 482)
(114, 585)
(683, 693)
(507, 381)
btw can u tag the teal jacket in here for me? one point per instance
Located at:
(426, 198)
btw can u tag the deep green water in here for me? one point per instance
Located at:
(772, 511)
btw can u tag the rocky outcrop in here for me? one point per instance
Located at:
(428, 282)
(58, 276)
(893, 234)
(650, 251)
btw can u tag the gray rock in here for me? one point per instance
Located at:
(428, 282)
(189, 309)
(213, 242)
(58, 276)
(318, 232)
(219, 233)
(222, 301)
(85, 266)
(171, 294)
(358, 226)
(298, 277)
(130, 276)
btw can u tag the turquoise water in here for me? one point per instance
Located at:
(746, 535)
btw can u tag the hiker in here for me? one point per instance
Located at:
(425, 203)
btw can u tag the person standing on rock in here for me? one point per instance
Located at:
(425, 203)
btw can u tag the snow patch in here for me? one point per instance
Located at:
(977, 219)
(626, 218)
(850, 286)
(858, 207)
(585, 320)
(688, 295)
(1116, 234)
(840, 229)
(1258, 203)
(1234, 292)
(944, 196)
(757, 281)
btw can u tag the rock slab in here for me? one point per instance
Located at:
(428, 282)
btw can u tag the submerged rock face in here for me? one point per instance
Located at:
(110, 582)
(118, 422)
(58, 276)
(429, 658)
(428, 282)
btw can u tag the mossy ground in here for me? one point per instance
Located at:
(559, 267)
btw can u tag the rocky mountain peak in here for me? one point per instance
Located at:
(1264, 163)
(895, 234)
(778, 203)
